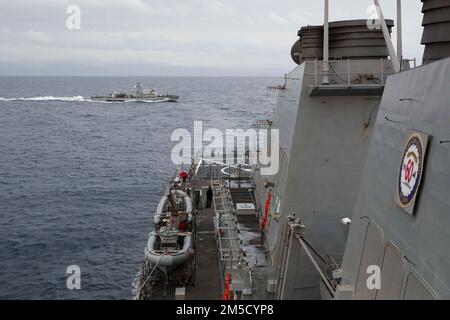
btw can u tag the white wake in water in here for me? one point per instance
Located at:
(146, 101)
(74, 99)
(47, 98)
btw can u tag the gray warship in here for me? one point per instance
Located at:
(359, 207)
(139, 95)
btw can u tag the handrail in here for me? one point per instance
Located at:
(346, 76)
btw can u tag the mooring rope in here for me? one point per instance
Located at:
(145, 282)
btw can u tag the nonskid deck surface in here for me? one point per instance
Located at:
(207, 277)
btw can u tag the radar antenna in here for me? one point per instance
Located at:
(139, 90)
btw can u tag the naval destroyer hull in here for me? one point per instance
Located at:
(339, 162)
(359, 206)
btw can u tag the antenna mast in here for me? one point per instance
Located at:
(399, 31)
(326, 53)
(387, 38)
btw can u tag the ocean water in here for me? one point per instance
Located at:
(79, 180)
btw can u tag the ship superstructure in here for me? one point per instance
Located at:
(326, 122)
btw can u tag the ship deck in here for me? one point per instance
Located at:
(208, 262)
(207, 277)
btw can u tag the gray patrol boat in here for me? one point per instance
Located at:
(359, 208)
(139, 95)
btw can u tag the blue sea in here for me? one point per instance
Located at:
(80, 180)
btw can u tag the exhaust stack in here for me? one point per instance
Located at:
(436, 33)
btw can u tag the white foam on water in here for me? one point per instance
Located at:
(147, 101)
(46, 98)
(74, 99)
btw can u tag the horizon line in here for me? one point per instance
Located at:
(149, 76)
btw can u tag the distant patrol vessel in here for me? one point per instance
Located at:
(140, 95)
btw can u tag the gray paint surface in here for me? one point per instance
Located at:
(413, 100)
(323, 147)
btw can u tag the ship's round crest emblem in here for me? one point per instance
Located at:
(410, 170)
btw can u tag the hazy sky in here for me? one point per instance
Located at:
(172, 37)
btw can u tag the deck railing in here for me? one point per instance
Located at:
(350, 73)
